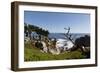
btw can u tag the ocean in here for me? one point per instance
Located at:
(62, 36)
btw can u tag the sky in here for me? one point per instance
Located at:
(55, 22)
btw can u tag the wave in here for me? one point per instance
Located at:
(62, 36)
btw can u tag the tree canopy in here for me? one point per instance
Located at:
(83, 41)
(32, 28)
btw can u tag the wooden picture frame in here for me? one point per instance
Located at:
(17, 29)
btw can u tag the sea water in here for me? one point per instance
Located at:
(62, 36)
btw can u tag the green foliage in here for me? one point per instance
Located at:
(33, 28)
(83, 41)
(39, 45)
(34, 54)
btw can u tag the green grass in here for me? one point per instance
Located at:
(32, 53)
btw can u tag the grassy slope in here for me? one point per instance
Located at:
(34, 54)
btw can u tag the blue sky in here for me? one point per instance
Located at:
(57, 21)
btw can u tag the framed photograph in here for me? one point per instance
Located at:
(52, 36)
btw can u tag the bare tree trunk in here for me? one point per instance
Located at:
(68, 36)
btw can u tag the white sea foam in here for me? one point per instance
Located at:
(64, 43)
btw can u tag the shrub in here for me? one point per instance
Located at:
(39, 45)
(83, 41)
